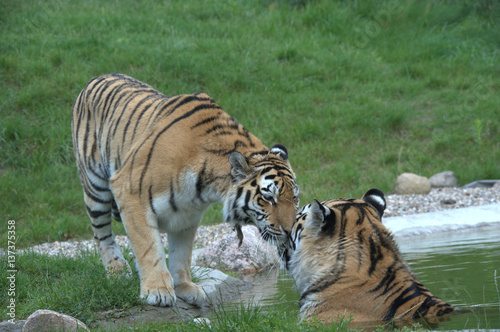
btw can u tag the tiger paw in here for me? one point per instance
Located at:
(118, 267)
(161, 297)
(192, 294)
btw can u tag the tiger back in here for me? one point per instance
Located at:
(345, 261)
(156, 163)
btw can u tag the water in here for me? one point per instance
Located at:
(462, 268)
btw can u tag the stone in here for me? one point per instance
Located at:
(202, 321)
(443, 180)
(409, 183)
(253, 255)
(217, 285)
(48, 320)
(496, 185)
(482, 184)
(448, 201)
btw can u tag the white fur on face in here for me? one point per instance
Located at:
(269, 190)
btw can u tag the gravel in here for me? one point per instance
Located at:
(397, 205)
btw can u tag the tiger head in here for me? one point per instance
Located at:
(264, 193)
(324, 231)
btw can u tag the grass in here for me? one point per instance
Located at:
(80, 288)
(358, 91)
(76, 287)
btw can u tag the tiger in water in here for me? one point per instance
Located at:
(345, 261)
(156, 163)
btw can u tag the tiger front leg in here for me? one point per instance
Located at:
(180, 246)
(157, 286)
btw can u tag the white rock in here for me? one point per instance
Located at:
(202, 321)
(443, 180)
(409, 183)
(253, 255)
(48, 320)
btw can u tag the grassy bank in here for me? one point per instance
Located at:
(80, 288)
(358, 91)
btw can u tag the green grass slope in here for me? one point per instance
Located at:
(359, 91)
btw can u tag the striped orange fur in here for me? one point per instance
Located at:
(345, 261)
(157, 162)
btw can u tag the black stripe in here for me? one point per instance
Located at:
(108, 101)
(118, 119)
(184, 116)
(115, 121)
(387, 282)
(86, 137)
(104, 237)
(247, 198)
(205, 121)
(172, 197)
(187, 99)
(225, 152)
(214, 128)
(238, 195)
(375, 255)
(96, 187)
(130, 112)
(95, 198)
(96, 214)
(151, 200)
(100, 226)
(446, 310)
(78, 109)
(97, 99)
(102, 84)
(146, 108)
(164, 107)
(330, 225)
(429, 302)
(406, 295)
(199, 182)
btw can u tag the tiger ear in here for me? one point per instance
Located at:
(376, 198)
(240, 168)
(280, 151)
(316, 215)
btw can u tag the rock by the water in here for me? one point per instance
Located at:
(253, 255)
(202, 321)
(443, 180)
(409, 183)
(48, 320)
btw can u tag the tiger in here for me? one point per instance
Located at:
(156, 163)
(345, 261)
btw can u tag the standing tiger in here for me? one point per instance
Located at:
(344, 261)
(156, 163)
